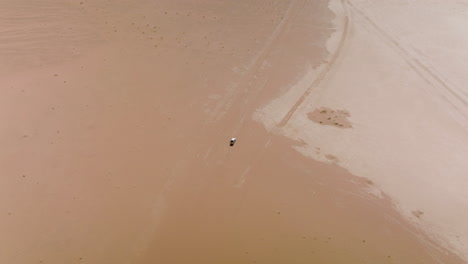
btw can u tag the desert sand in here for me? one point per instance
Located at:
(117, 115)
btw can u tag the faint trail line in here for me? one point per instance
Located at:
(256, 62)
(320, 77)
(420, 237)
(262, 84)
(423, 70)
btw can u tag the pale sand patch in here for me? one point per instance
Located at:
(408, 106)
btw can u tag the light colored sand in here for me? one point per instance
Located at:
(114, 140)
(401, 75)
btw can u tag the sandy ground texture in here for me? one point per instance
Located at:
(116, 118)
(399, 73)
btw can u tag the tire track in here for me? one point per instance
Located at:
(257, 60)
(322, 74)
(424, 71)
(253, 95)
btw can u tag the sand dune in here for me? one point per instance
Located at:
(116, 120)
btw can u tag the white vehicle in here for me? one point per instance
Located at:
(232, 142)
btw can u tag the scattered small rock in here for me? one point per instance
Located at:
(327, 116)
(331, 158)
(368, 181)
(417, 213)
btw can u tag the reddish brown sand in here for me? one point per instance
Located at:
(116, 120)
